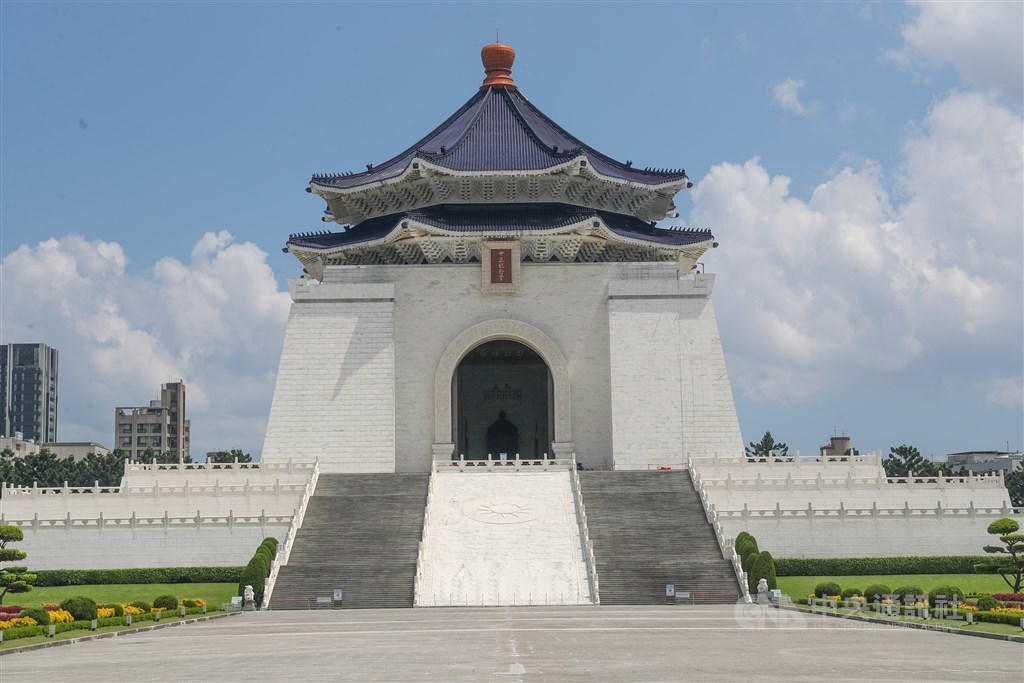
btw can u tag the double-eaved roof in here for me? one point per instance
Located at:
(497, 166)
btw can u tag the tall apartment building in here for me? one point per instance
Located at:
(28, 391)
(160, 426)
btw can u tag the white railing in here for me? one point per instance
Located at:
(285, 551)
(157, 490)
(874, 512)
(791, 483)
(288, 466)
(797, 459)
(726, 544)
(421, 553)
(167, 521)
(587, 544)
(515, 464)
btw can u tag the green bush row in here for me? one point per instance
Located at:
(757, 563)
(84, 577)
(29, 631)
(860, 566)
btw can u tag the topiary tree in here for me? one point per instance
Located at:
(41, 616)
(909, 590)
(740, 538)
(948, 594)
(13, 579)
(81, 608)
(876, 592)
(850, 592)
(143, 605)
(166, 602)
(764, 567)
(986, 603)
(827, 588)
(1008, 562)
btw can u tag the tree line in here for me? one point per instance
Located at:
(45, 469)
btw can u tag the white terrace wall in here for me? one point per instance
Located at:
(158, 517)
(846, 507)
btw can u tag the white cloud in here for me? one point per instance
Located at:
(787, 94)
(1006, 391)
(853, 282)
(216, 322)
(983, 41)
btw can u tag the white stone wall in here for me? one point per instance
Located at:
(319, 399)
(671, 396)
(335, 394)
(858, 537)
(502, 539)
(117, 548)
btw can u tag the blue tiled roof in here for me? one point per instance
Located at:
(498, 129)
(515, 218)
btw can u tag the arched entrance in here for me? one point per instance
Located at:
(533, 344)
(501, 394)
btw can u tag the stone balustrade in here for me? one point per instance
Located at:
(819, 482)
(511, 465)
(136, 522)
(284, 550)
(874, 512)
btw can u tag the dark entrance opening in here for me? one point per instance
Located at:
(501, 403)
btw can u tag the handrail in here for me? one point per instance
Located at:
(285, 552)
(588, 545)
(166, 521)
(424, 536)
(726, 544)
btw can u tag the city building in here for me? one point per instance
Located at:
(78, 450)
(979, 462)
(837, 445)
(28, 391)
(18, 446)
(160, 427)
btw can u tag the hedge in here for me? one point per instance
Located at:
(29, 631)
(859, 566)
(83, 577)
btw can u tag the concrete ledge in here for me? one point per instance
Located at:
(113, 634)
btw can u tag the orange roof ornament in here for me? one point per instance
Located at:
(497, 59)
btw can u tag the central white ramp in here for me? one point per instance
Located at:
(501, 538)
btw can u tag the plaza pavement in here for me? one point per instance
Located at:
(741, 644)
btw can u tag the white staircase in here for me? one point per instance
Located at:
(495, 537)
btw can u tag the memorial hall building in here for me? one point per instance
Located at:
(501, 265)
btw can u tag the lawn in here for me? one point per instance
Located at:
(213, 593)
(801, 586)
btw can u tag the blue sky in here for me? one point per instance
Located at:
(859, 162)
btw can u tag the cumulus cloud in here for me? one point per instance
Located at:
(858, 282)
(787, 94)
(983, 41)
(217, 322)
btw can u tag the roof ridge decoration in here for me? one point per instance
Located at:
(498, 59)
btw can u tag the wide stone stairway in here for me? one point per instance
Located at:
(361, 533)
(648, 530)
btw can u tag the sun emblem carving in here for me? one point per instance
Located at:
(503, 510)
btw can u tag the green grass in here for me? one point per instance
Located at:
(802, 586)
(213, 593)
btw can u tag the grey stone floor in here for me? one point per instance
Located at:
(526, 644)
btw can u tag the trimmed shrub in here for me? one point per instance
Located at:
(166, 602)
(188, 603)
(762, 567)
(876, 592)
(985, 603)
(827, 588)
(747, 560)
(740, 538)
(911, 590)
(143, 605)
(81, 608)
(850, 592)
(81, 577)
(41, 616)
(945, 593)
(748, 545)
(118, 610)
(998, 618)
(859, 566)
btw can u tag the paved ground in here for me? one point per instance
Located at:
(526, 644)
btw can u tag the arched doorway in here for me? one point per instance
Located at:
(560, 431)
(501, 395)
